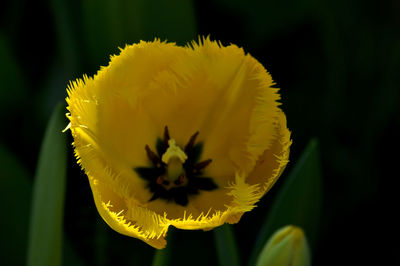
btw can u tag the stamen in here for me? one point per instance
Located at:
(166, 136)
(152, 156)
(176, 174)
(160, 180)
(181, 180)
(190, 144)
(201, 165)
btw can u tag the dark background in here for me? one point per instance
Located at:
(337, 63)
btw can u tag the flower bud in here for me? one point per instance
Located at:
(287, 246)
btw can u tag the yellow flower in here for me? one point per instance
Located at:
(185, 136)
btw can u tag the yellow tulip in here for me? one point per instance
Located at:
(187, 136)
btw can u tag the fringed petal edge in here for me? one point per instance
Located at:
(121, 224)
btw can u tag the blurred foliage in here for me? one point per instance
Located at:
(337, 63)
(47, 212)
(11, 76)
(298, 202)
(225, 243)
(108, 25)
(164, 256)
(14, 225)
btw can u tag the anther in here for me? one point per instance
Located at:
(190, 144)
(201, 165)
(181, 179)
(152, 156)
(166, 136)
(160, 180)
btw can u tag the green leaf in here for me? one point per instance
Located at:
(15, 184)
(225, 243)
(298, 201)
(46, 225)
(15, 195)
(162, 257)
(108, 25)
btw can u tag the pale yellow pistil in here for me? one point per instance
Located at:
(174, 157)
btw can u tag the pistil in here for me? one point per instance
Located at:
(174, 158)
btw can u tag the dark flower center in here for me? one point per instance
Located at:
(176, 179)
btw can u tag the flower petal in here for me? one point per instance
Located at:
(247, 191)
(274, 160)
(118, 216)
